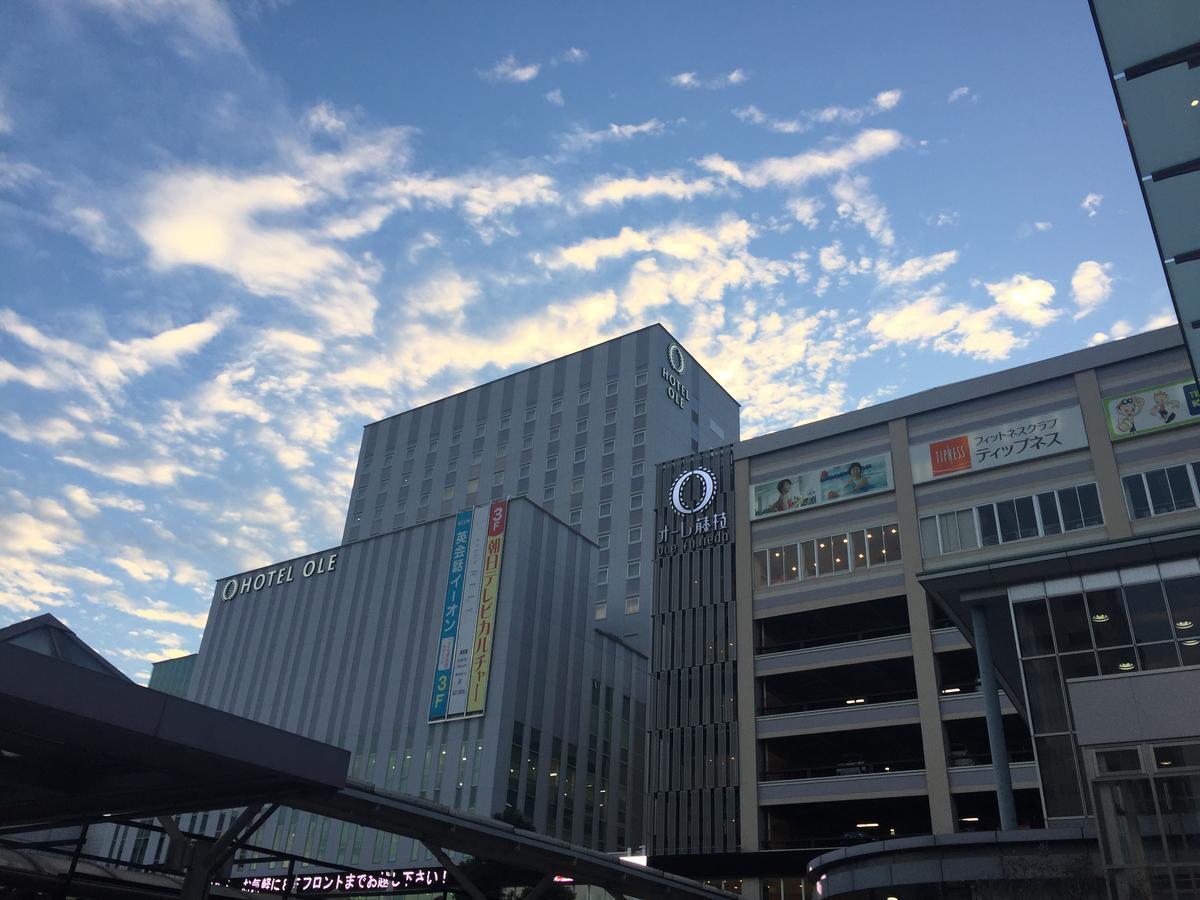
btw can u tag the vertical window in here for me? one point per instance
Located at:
(551, 463)
(606, 509)
(639, 408)
(556, 405)
(639, 378)
(602, 575)
(632, 604)
(601, 609)
(637, 470)
(639, 438)
(606, 476)
(612, 388)
(581, 425)
(635, 501)
(610, 417)
(549, 492)
(530, 413)
(576, 516)
(585, 396)
(480, 429)
(635, 534)
(634, 569)
(580, 454)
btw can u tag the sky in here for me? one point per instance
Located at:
(232, 235)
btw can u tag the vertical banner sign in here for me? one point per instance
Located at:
(450, 616)
(481, 654)
(460, 677)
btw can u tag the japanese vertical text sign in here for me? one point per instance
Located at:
(460, 677)
(450, 616)
(481, 655)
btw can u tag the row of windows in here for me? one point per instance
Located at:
(556, 405)
(1161, 491)
(1035, 515)
(633, 603)
(844, 552)
(633, 570)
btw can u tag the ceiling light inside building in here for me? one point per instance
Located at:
(1125, 666)
(969, 819)
(1100, 617)
(1191, 642)
(951, 690)
(867, 825)
(1195, 103)
(1183, 623)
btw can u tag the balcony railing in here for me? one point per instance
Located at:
(838, 703)
(844, 768)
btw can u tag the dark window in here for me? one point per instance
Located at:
(1160, 492)
(1089, 504)
(1158, 656)
(1107, 613)
(1114, 662)
(1026, 517)
(1135, 493)
(1033, 628)
(1078, 665)
(1046, 704)
(1006, 512)
(988, 534)
(1148, 613)
(1060, 783)
(1181, 487)
(1070, 623)
(1049, 510)
(1184, 596)
(1072, 514)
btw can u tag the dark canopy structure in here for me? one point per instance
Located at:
(81, 744)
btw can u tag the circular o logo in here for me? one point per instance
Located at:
(708, 490)
(676, 358)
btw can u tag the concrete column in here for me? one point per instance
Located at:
(1104, 460)
(995, 721)
(933, 741)
(744, 640)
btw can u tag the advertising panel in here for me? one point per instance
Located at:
(1152, 409)
(481, 653)
(1033, 437)
(460, 677)
(843, 481)
(450, 616)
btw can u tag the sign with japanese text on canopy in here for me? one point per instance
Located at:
(1033, 437)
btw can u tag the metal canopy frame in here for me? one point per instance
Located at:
(79, 747)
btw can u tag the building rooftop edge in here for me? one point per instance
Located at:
(960, 391)
(555, 359)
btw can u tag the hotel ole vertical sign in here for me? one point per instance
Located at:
(467, 630)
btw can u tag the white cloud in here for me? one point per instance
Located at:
(483, 197)
(88, 505)
(154, 610)
(795, 170)
(956, 328)
(207, 23)
(1025, 299)
(555, 97)
(579, 139)
(831, 258)
(961, 93)
(508, 69)
(1091, 203)
(805, 210)
(616, 191)
(48, 431)
(156, 472)
(134, 563)
(63, 364)
(1042, 226)
(914, 269)
(856, 203)
(882, 102)
(573, 55)
(444, 296)
(1091, 285)
(692, 81)
(325, 118)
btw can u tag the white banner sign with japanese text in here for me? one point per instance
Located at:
(1042, 434)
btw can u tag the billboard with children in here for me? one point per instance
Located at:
(816, 487)
(1152, 409)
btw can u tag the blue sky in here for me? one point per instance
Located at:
(232, 235)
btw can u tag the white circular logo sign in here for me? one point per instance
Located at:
(708, 490)
(676, 358)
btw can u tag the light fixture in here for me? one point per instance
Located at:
(860, 556)
(1164, 762)
(1183, 624)
(1192, 642)
(887, 768)
(1195, 103)
(1099, 617)
(1125, 666)
(867, 825)
(969, 819)
(951, 690)
(893, 531)
(856, 700)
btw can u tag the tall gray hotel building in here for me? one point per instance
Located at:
(481, 635)
(899, 652)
